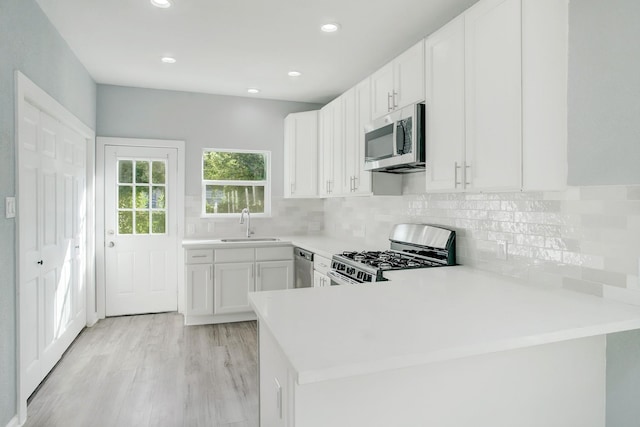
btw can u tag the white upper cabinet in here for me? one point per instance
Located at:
(399, 83)
(493, 91)
(361, 178)
(544, 92)
(301, 154)
(331, 149)
(445, 106)
(496, 95)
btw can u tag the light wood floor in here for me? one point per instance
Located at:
(151, 370)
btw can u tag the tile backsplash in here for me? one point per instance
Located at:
(289, 217)
(584, 238)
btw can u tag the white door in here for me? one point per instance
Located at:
(52, 237)
(199, 290)
(382, 91)
(141, 230)
(362, 178)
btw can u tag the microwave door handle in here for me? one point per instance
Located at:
(400, 137)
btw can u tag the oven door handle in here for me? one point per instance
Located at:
(339, 278)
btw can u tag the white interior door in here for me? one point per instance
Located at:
(141, 230)
(52, 237)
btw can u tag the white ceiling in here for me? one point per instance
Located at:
(224, 47)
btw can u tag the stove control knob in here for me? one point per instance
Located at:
(351, 270)
(367, 277)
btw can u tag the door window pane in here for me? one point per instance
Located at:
(157, 198)
(125, 222)
(142, 222)
(125, 171)
(157, 172)
(125, 197)
(142, 171)
(159, 222)
(142, 196)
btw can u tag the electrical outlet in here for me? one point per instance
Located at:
(10, 207)
(501, 250)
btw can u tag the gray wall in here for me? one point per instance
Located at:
(604, 92)
(203, 121)
(29, 43)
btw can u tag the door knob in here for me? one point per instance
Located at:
(111, 244)
(40, 262)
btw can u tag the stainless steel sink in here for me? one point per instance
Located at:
(251, 239)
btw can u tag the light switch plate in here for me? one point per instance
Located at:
(501, 250)
(10, 207)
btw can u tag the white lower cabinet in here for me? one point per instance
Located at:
(232, 284)
(275, 396)
(218, 281)
(320, 280)
(274, 275)
(199, 289)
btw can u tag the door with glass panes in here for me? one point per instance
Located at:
(141, 241)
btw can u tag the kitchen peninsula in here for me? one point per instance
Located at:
(449, 346)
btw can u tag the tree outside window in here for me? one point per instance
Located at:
(233, 180)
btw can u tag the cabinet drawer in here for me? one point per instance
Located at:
(199, 256)
(234, 255)
(278, 253)
(321, 264)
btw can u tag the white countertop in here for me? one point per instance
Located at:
(324, 246)
(424, 316)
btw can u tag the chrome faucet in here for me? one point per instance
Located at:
(246, 211)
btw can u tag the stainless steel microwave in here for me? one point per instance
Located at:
(395, 143)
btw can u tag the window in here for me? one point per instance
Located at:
(236, 179)
(142, 196)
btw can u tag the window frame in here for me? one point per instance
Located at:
(266, 183)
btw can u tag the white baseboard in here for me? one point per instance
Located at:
(13, 422)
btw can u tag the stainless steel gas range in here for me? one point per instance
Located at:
(412, 246)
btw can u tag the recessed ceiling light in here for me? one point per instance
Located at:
(253, 90)
(168, 60)
(330, 28)
(294, 73)
(161, 3)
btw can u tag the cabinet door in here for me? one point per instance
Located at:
(301, 160)
(445, 115)
(409, 77)
(232, 284)
(326, 149)
(350, 142)
(199, 290)
(493, 95)
(382, 91)
(362, 178)
(275, 398)
(337, 151)
(320, 280)
(274, 275)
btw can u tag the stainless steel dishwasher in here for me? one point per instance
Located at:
(303, 268)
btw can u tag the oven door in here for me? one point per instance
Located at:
(340, 279)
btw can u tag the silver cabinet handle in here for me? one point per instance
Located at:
(293, 188)
(278, 398)
(198, 256)
(355, 185)
(467, 169)
(456, 166)
(389, 96)
(395, 103)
